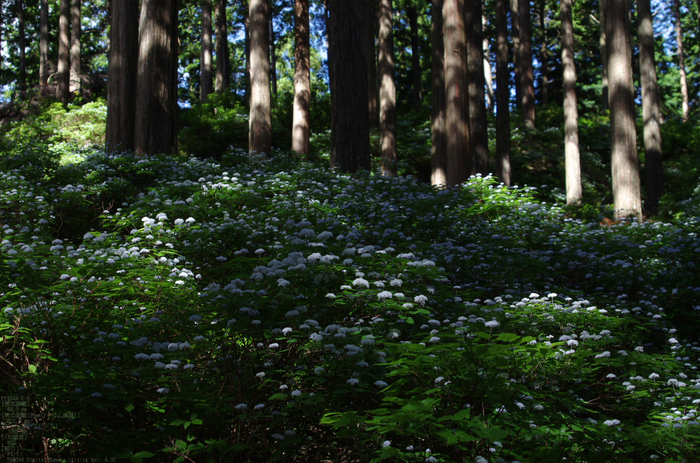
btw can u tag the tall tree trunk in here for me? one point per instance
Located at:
(121, 85)
(502, 94)
(544, 55)
(349, 113)
(604, 55)
(623, 132)
(223, 67)
(273, 57)
(76, 29)
(371, 31)
(156, 88)
(515, 35)
(246, 50)
(22, 68)
(44, 44)
(260, 134)
(681, 60)
(387, 89)
(438, 159)
(302, 78)
(206, 65)
(574, 192)
(490, 97)
(63, 63)
(459, 159)
(415, 58)
(527, 76)
(650, 107)
(478, 129)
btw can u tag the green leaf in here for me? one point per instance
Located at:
(128, 407)
(32, 369)
(197, 421)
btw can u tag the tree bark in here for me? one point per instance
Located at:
(502, 95)
(371, 31)
(515, 35)
(681, 60)
(223, 70)
(302, 78)
(490, 97)
(544, 55)
(44, 44)
(417, 94)
(527, 76)
(349, 114)
(650, 108)
(206, 62)
(438, 159)
(121, 86)
(478, 128)
(260, 135)
(625, 163)
(459, 158)
(387, 89)
(156, 88)
(63, 63)
(76, 29)
(574, 192)
(22, 68)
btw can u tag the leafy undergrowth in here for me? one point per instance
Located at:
(270, 310)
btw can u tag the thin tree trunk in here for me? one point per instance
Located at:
(371, 32)
(22, 68)
(604, 55)
(223, 70)
(44, 44)
(246, 49)
(502, 95)
(76, 29)
(63, 63)
(574, 192)
(387, 89)
(156, 88)
(527, 76)
(438, 159)
(625, 163)
(206, 61)
(415, 58)
(681, 60)
(260, 134)
(302, 78)
(478, 129)
(650, 108)
(121, 86)
(349, 113)
(273, 57)
(544, 55)
(490, 97)
(517, 65)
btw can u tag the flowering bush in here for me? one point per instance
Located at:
(268, 310)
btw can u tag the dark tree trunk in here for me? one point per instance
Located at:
(623, 131)
(223, 66)
(63, 63)
(515, 35)
(438, 159)
(260, 125)
(544, 55)
(273, 57)
(371, 23)
(44, 44)
(502, 94)
(246, 46)
(415, 58)
(387, 88)
(350, 115)
(76, 29)
(206, 62)
(22, 68)
(121, 85)
(527, 76)
(302, 78)
(574, 193)
(478, 129)
(650, 108)
(156, 90)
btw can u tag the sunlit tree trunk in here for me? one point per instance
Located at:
(650, 108)
(623, 132)
(22, 68)
(574, 192)
(387, 89)
(121, 86)
(223, 68)
(302, 78)
(681, 59)
(44, 44)
(490, 97)
(478, 129)
(63, 63)
(544, 55)
(438, 159)
(156, 87)
(502, 94)
(527, 76)
(416, 92)
(76, 29)
(459, 159)
(260, 134)
(206, 65)
(349, 114)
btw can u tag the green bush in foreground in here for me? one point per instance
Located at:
(270, 310)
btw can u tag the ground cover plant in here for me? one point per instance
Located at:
(252, 309)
